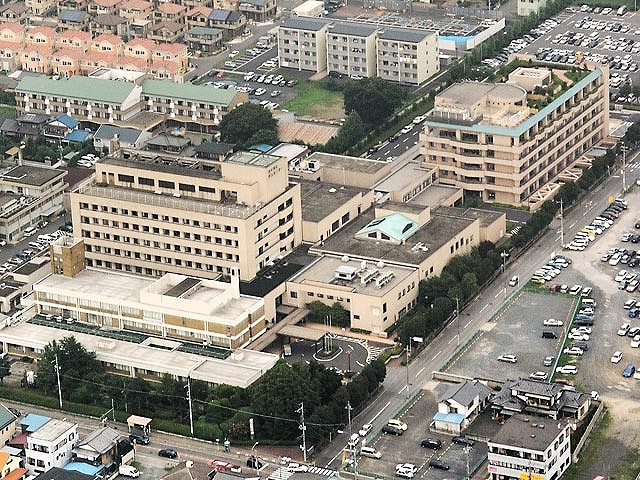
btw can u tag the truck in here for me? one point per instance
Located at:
(128, 471)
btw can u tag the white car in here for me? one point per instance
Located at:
(623, 330)
(621, 275)
(582, 329)
(616, 357)
(508, 358)
(297, 468)
(629, 303)
(583, 337)
(573, 351)
(259, 91)
(406, 466)
(552, 322)
(615, 259)
(567, 370)
(366, 428)
(234, 53)
(230, 64)
(407, 128)
(419, 119)
(539, 376)
(635, 343)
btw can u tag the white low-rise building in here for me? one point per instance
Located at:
(50, 446)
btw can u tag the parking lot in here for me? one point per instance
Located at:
(517, 330)
(406, 448)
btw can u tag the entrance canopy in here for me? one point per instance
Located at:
(304, 333)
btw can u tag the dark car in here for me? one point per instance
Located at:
(333, 74)
(432, 443)
(168, 453)
(460, 440)
(440, 465)
(139, 437)
(629, 371)
(254, 462)
(581, 345)
(638, 224)
(392, 430)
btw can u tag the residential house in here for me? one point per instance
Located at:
(214, 150)
(14, 12)
(11, 32)
(7, 425)
(36, 58)
(196, 3)
(139, 28)
(167, 32)
(100, 447)
(39, 36)
(198, 17)
(65, 62)
(539, 398)
(530, 447)
(74, 39)
(74, 19)
(10, 56)
(139, 48)
(136, 9)
(231, 21)
(78, 5)
(104, 7)
(106, 134)
(175, 53)
(204, 40)
(169, 12)
(108, 44)
(62, 474)
(11, 467)
(258, 10)
(40, 7)
(460, 405)
(57, 128)
(109, 24)
(50, 446)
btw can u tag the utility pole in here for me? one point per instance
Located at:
(348, 408)
(408, 357)
(466, 450)
(624, 164)
(190, 404)
(458, 318)
(304, 431)
(561, 223)
(59, 386)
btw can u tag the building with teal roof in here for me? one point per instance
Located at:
(394, 228)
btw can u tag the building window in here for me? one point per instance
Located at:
(294, 294)
(146, 181)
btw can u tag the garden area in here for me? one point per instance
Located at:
(314, 99)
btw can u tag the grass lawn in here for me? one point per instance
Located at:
(313, 100)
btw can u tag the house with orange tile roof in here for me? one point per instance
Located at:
(163, 70)
(140, 48)
(40, 36)
(171, 52)
(167, 32)
(75, 39)
(138, 9)
(36, 58)
(10, 468)
(92, 60)
(10, 56)
(14, 12)
(11, 32)
(40, 7)
(198, 17)
(169, 12)
(133, 63)
(103, 7)
(65, 62)
(107, 44)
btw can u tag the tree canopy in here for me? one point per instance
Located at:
(247, 125)
(373, 99)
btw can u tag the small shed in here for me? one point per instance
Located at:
(138, 423)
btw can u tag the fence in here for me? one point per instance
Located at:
(592, 424)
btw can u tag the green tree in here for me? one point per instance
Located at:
(352, 131)
(245, 123)
(5, 368)
(372, 98)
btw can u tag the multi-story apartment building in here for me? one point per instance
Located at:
(302, 44)
(493, 142)
(189, 217)
(530, 447)
(50, 446)
(407, 56)
(351, 49)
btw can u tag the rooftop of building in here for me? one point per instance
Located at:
(129, 290)
(252, 158)
(101, 439)
(109, 19)
(204, 31)
(407, 174)
(529, 432)
(289, 150)
(320, 199)
(353, 29)
(349, 164)
(241, 368)
(305, 23)
(10, 287)
(52, 430)
(214, 148)
(125, 135)
(468, 94)
(32, 265)
(31, 175)
(433, 235)
(6, 417)
(188, 91)
(402, 207)
(405, 35)
(324, 269)
(56, 473)
(436, 194)
(84, 88)
(158, 162)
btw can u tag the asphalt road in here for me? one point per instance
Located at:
(477, 313)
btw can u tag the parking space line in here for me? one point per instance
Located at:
(483, 308)
(468, 323)
(452, 339)
(436, 355)
(402, 389)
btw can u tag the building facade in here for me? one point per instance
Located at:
(302, 44)
(407, 56)
(199, 218)
(489, 140)
(351, 49)
(50, 446)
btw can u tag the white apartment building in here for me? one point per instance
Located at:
(50, 446)
(302, 44)
(407, 56)
(530, 447)
(351, 49)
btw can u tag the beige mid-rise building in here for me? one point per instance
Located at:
(351, 49)
(496, 141)
(302, 44)
(407, 56)
(151, 215)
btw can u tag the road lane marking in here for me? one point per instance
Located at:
(468, 323)
(402, 389)
(498, 294)
(452, 339)
(419, 372)
(380, 412)
(436, 355)
(482, 309)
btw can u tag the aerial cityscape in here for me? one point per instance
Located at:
(319, 240)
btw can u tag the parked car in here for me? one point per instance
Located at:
(139, 437)
(432, 443)
(567, 370)
(168, 453)
(439, 464)
(552, 322)
(461, 440)
(508, 358)
(539, 376)
(393, 430)
(397, 423)
(366, 428)
(548, 361)
(623, 330)
(628, 371)
(254, 462)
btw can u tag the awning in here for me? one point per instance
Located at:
(304, 333)
(51, 210)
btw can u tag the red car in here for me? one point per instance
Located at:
(222, 466)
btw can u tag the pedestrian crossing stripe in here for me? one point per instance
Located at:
(281, 473)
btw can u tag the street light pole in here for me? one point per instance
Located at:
(561, 223)
(190, 404)
(624, 164)
(59, 386)
(458, 318)
(408, 356)
(255, 457)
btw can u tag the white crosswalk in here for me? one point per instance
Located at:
(374, 352)
(281, 473)
(322, 471)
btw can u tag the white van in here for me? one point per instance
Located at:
(29, 231)
(128, 471)
(622, 10)
(354, 441)
(370, 452)
(588, 302)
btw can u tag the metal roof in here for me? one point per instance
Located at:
(300, 23)
(77, 87)
(75, 16)
(188, 91)
(353, 29)
(405, 34)
(219, 15)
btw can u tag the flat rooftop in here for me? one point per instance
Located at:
(51, 430)
(188, 167)
(305, 23)
(436, 194)
(320, 199)
(406, 175)
(527, 431)
(349, 164)
(32, 265)
(253, 158)
(241, 368)
(322, 271)
(433, 235)
(31, 175)
(470, 93)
